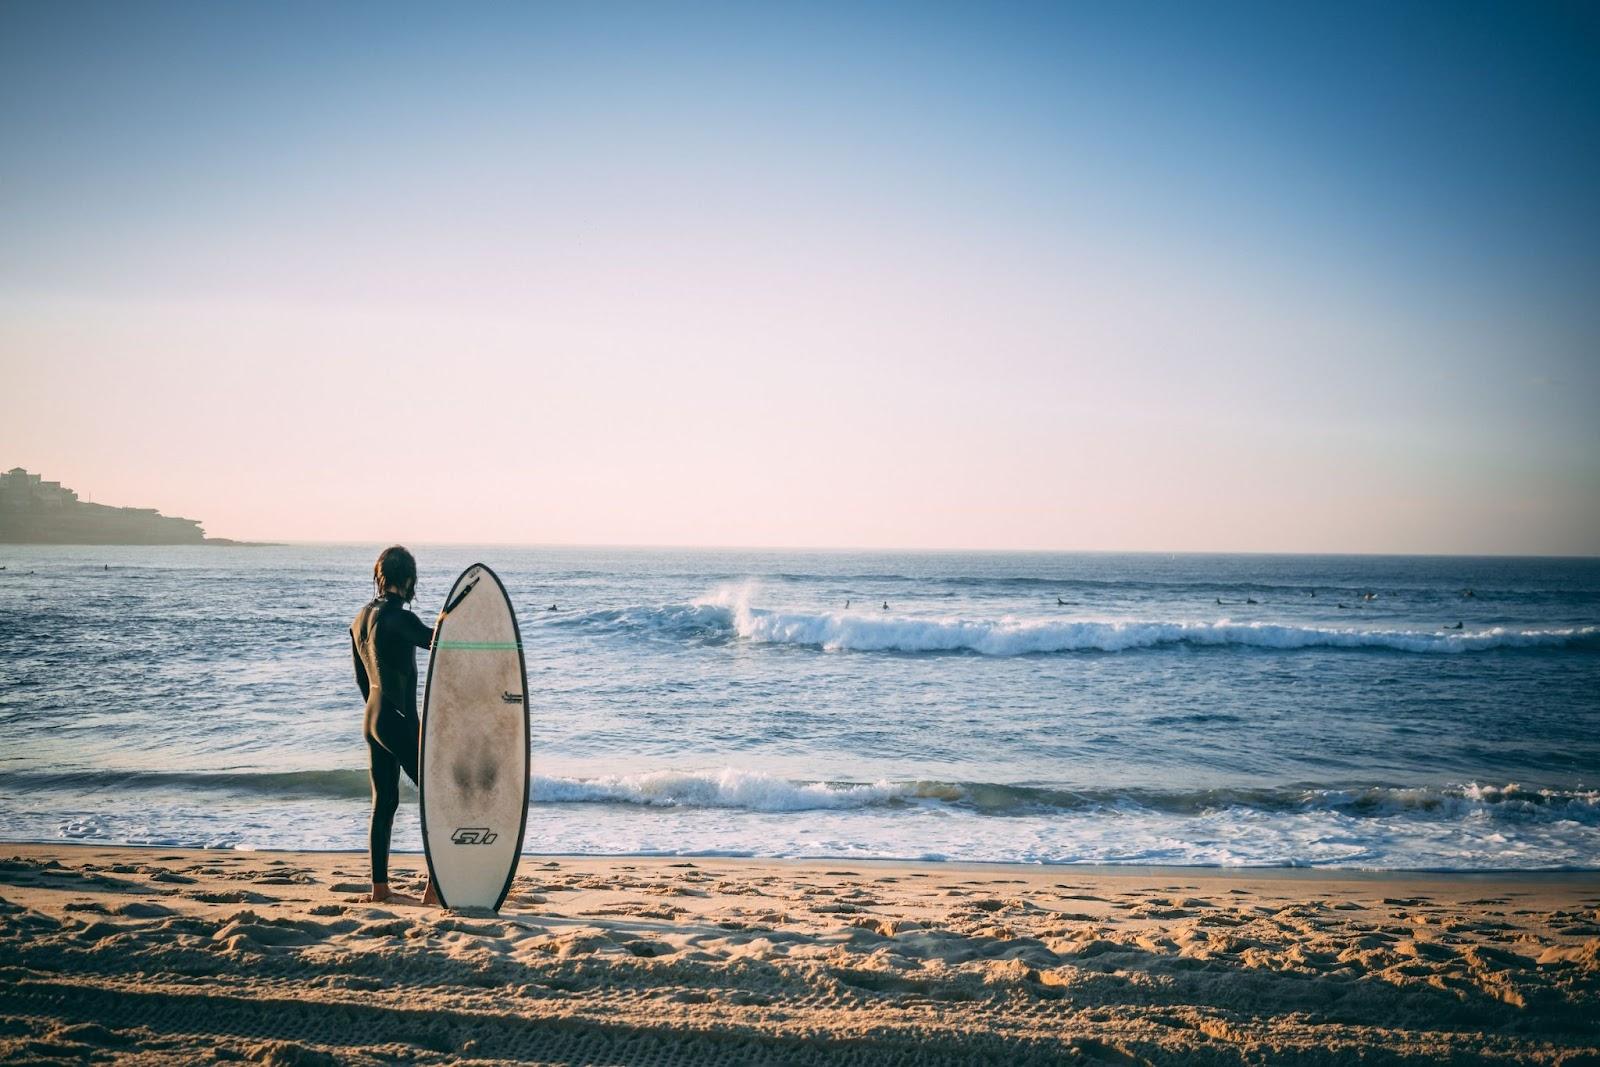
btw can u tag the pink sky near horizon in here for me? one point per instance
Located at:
(299, 422)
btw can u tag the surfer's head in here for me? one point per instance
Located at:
(396, 569)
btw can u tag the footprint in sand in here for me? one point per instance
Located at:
(296, 878)
(170, 876)
(235, 896)
(87, 905)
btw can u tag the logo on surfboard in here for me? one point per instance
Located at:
(473, 835)
(508, 697)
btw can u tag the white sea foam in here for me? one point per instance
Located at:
(867, 631)
(726, 788)
(736, 813)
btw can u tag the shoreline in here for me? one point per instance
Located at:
(1286, 870)
(152, 952)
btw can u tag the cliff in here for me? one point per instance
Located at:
(33, 511)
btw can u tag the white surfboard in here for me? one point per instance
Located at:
(474, 757)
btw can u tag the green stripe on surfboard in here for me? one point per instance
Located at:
(479, 646)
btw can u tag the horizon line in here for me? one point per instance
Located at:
(644, 546)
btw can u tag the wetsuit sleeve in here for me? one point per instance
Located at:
(419, 634)
(361, 670)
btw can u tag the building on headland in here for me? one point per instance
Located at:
(34, 511)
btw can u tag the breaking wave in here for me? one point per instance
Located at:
(756, 791)
(750, 790)
(729, 615)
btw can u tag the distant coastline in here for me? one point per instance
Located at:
(38, 512)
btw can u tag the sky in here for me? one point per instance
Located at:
(1220, 277)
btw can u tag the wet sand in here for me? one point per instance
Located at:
(115, 954)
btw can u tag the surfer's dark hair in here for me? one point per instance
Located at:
(396, 566)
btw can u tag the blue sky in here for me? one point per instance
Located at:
(1075, 276)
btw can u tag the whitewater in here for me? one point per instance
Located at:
(1373, 712)
(1013, 636)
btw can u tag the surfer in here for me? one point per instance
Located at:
(885, 605)
(383, 641)
(1249, 600)
(847, 603)
(1060, 603)
(552, 607)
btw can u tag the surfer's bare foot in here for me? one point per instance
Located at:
(382, 894)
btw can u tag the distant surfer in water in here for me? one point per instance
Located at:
(383, 641)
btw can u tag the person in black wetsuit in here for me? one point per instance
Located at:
(383, 641)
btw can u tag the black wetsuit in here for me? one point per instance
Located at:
(384, 640)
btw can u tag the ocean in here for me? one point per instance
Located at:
(1233, 710)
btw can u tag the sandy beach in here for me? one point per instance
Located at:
(118, 954)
